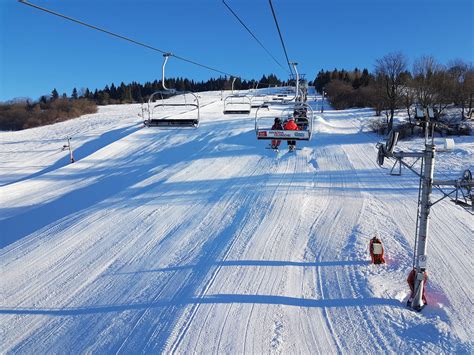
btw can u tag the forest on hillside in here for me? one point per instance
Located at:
(392, 86)
(26, 113)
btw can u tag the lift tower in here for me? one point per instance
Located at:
(427, 157)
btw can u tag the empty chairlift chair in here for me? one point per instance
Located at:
(304, 120)
(178, 100)
(237, 104)
(258, 100)
(174, 99)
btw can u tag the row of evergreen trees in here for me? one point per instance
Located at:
(356, 78)
(136, 92)
(20, 114)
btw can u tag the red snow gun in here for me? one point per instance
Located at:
(376, 251)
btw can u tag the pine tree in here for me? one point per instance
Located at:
(113, 92)
(74, 94)
(365, 78)
(54, 94)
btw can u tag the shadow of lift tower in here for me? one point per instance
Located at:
(427, 157)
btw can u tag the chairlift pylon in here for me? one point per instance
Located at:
(168, 121)
(417, 277)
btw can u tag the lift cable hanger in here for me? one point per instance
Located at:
(253, 35)
(124, 38)
(281, 37)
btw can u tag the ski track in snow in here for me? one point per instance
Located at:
(200, 240)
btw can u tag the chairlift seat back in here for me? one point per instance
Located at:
(193, 107)
(172, 122)
(237, 104)
(283, 135)
(237, 111)
(305, 125)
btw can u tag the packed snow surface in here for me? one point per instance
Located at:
(201, 240)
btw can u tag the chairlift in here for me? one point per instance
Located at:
(258, 100)
(290, 96)
(282, 99)
(304, 118)
(182, 102)
(237, 104)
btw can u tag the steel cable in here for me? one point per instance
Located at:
(125, 38)
(281, 37)
(253, 35)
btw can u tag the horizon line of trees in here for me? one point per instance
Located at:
(392, 86)
(24, 113)
(135, 92)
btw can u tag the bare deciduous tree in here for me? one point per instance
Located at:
(390, 72)
(425, 69)
(469, 89)
(462, 76)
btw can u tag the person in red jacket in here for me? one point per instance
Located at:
(290, 125)
(376, 251)
(276, 126)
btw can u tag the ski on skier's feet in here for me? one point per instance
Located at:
(275, 149)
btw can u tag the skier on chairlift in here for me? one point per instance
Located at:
(376, 251)
(290, 125)
(276, 126)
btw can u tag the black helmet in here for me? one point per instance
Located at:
(277, 120)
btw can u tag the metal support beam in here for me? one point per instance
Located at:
(294, 64)
(421, 256)
(69, 147)
(417, 277)
(398, 162)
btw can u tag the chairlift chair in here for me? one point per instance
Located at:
(237, 104)
(300, 113)
(304, 122)
(258, 100)
(153, 121)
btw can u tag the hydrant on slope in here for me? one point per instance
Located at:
(376, 251)
(411, 282)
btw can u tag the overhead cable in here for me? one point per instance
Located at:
(252, 34)
(281, 37)
(124, 38)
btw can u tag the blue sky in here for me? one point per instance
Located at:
(39, 52)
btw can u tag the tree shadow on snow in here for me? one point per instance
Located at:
(256, 263)
(111, 181)
(210, 299)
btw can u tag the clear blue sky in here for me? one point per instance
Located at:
(39, 52)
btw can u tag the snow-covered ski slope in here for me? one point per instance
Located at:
(200, 240)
